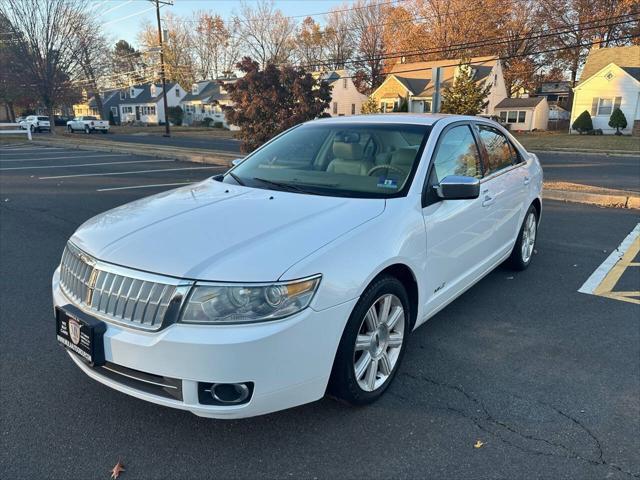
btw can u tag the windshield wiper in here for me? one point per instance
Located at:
(236, 178)
(282, 185)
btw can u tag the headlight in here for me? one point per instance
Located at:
(235, 303)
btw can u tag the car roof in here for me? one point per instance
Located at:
(395, 118)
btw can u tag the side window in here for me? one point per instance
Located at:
(457, 154)
(500, 153)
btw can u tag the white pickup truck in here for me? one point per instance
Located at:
(87, 124)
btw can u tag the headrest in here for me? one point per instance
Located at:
(404, 157)
(347, 151)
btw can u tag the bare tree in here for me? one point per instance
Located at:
(213, 47)
(310, 44)
(93, 58)
(178, 50)
(265, 32)
(338, 39)
(45, 33)
(366, 21)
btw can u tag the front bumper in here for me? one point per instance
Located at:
(289, 361)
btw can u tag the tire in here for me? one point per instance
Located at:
(33, 129)
(104, 132)
(524, 248)
(368, 385)
(69, 129)
(87, 130)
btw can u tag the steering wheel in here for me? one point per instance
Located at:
(386, 167)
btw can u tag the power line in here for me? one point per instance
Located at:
(477, 44)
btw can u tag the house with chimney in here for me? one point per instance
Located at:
(610, 79)
(420, 84)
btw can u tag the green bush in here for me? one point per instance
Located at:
(175, 115)
(617, 120)
(583, 123)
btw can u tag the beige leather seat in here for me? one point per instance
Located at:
(404, 158)
(348, 159)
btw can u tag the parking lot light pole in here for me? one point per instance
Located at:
(167, 132)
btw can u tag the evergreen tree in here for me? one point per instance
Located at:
(466, 96)
(370, 106)
(618, 120)
(583, 123)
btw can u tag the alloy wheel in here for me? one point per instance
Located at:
(528, 237)
(379, 341)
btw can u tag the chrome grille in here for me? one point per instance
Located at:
(113, 293)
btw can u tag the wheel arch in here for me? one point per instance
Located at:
(407, 277)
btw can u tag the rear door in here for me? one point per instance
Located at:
(503, 187)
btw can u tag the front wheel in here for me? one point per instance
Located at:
(372, 344)
(87, 130)
(33, 129)
(525, 243)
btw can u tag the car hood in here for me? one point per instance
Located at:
(220, 232)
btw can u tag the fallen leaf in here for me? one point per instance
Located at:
(117, 470)
(478, 444)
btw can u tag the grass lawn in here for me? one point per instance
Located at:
(564, 141)
(180, 131)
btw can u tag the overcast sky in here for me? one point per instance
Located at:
(114, 13)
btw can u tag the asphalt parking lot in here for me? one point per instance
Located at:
(546, 378)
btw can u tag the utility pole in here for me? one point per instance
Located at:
(167, 132)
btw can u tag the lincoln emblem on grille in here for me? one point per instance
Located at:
(91, 285)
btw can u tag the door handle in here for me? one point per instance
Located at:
(488, 200)
(527, 180)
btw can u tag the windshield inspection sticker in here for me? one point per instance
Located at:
(387, 183)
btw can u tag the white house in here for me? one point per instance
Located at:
(524, 114)
(207, 99)
(145, 104)
(345, 98)
(419, 83)
(610, 79)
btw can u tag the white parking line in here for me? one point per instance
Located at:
(23, 151)
(127, 173)
(142, 186)
(19, 160)
(84, 165)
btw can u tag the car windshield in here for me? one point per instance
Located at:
(43, 119)
(350, 160)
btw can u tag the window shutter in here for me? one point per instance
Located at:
(617, 102)
(594, 107)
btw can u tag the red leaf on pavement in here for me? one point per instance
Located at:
(117, 470)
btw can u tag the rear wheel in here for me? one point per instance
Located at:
(69, 129)
(87, 130)
(525, 244)
(373, 343)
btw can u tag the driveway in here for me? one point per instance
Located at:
(546, 379)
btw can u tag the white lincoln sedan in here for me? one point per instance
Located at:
(300, 271)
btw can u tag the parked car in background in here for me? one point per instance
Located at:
(302, 269)
(20, 119)
(61, 120)
(36, 123)
(87, 124)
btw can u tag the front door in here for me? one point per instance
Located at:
(458, 231)
(137, 113)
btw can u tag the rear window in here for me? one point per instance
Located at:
(89, 118)
(44, 119)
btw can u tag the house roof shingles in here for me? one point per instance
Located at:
(627, 58)
(418, 76)
(529, 102)
(145, 96)
(209, 93)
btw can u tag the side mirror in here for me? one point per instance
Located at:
(237, 162)
(456, 187)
